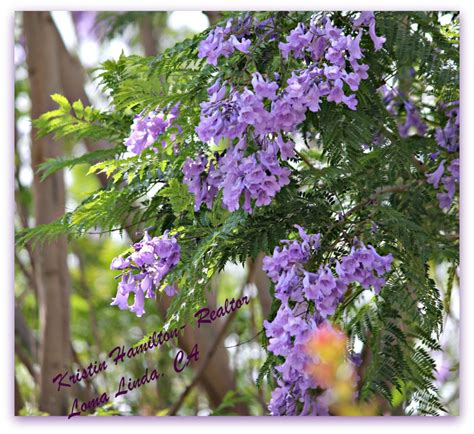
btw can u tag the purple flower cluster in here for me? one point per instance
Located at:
(222, 41)
(333, 59)
(144, 271)
(333, 62)
(367, 18)
(204, 188)
(147, 129)
(257, 177)
(448, 139)
(298, 289)
(293, 283)
(270, 111)
(288, 334)
(395, 101)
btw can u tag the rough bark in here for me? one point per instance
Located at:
(49, 204)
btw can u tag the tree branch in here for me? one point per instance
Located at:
(210, 353)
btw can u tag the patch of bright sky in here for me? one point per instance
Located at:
(89, 51)
(193, 20)
(65, 25)
(445, 19)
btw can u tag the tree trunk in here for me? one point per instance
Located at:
(49, 203)
(148, 37)
(260, 279)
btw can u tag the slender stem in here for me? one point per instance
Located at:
(307, 161)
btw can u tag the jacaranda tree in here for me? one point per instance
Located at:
(328, 141)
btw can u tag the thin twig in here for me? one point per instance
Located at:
(247, 341)
(177, 405)
(419, 165)
(306, 161)
(25, 359)
(27, 273)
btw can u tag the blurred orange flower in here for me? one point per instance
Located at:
(334, 372)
